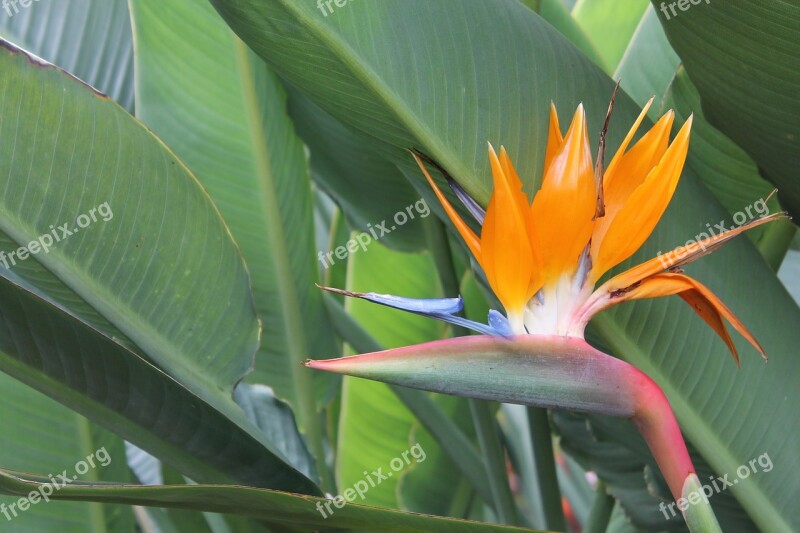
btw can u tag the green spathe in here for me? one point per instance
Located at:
(539, 370)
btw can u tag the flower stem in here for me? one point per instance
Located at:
(489, 438)
(656, 422)
(659, 427)
(602, 507)
(547, 479)
(699, 516)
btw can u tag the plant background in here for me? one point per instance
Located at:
(301, 149)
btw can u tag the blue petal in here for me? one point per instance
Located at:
(414, 305)
(499, 323)
(469, 202)
(439, 308)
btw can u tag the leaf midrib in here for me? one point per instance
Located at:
(392, 101)
(276, 237)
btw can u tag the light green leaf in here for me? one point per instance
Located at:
(609, 25)
(557, 14)
(202, 90)
(375, 427)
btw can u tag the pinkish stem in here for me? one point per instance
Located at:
(656, 422)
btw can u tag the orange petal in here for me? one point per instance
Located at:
(703, 301)
(627, 140)
(515, 183)
(631, 169)
(554, 139)
(506, 255)
(635, 221)
(682, 255)
(467, 234)
(563, 209)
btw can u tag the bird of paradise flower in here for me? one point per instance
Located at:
(542, 259)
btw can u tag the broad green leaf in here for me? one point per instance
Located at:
(609, 25)
(124, 247)
(742, 56)
(86, 371)
(284, 511)
(347, 169)
(41, 435)
(89, 38)
(388, 79)
(728, 172)
(67, 150)
(651, 68)
(276, 419)
(223, 112)
(411, 73)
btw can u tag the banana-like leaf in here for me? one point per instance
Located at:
(411, 73)
(283, 511)
(217, 105)
(730, 174)
(346, 169)
(136, 267)
(742, 57)
(40, 434)
(650, 68)
(89, 38)
(58, 354)
(63, 166)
